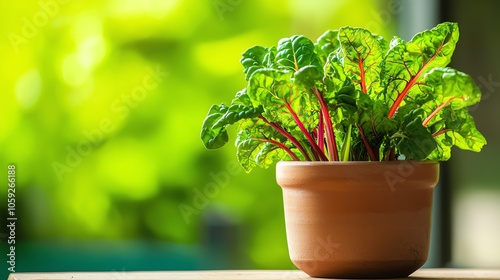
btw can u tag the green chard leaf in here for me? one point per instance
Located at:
(308, 76)
(334, 77)
(269, 88)
(443, 84)
(362, 53)
(256, 58)
(237, 112)
(213, 131)
(374, 123)
(414, 141)
(247, 149)
(214, 138)
(450, 93)
(296, 52)
(405, 64)
(461, 130)
(280, 96)
(446, 87)
(287, 106)
(347, 99)
(259, 145)
(327, 44)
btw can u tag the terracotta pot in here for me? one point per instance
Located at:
(358, 219)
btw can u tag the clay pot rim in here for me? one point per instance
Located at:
(353, 163)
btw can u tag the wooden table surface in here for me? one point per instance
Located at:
(438, 273)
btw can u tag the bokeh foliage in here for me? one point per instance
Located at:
(107, 150)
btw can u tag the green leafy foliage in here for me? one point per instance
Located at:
(296, 52)
(257, 58)
(362, 53)
(350, 96)
(327, 44)
(406, 62)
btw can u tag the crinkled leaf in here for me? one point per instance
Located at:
(442, 151)
(374, 121)
(445, 88)
(415, 141)
(242, 98)
(326, 44)
(213, 131)
(236, 113)
(214, 138)
(247, 149)
(308, 76)
(334, 76)
(252, 151)
(275, 90)
(443, 84)
(256, 58)
(296, 52)
(362, 54)
(269, 154)
(449, 93)
(462, 130)
(269, 88)
(346, 98)
(405, 64)
(381, 125)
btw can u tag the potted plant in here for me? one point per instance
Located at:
(358, 125)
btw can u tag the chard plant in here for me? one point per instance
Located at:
(351, 96)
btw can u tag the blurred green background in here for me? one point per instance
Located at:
(102, 103)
